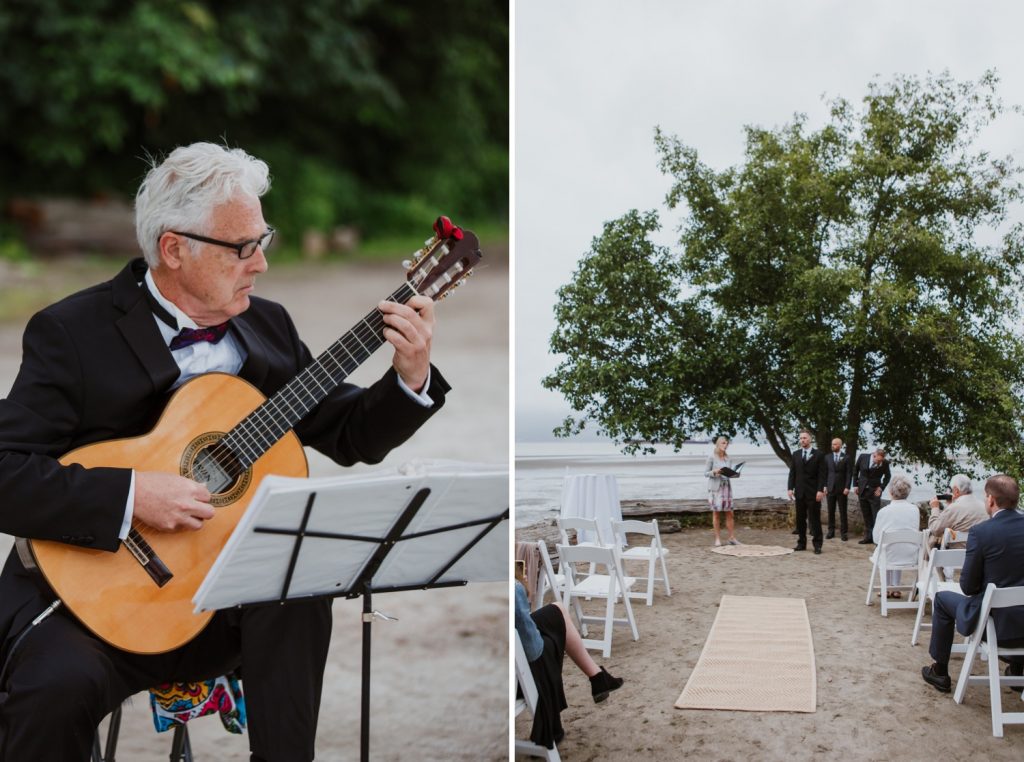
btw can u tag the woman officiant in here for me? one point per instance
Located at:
(720, 490)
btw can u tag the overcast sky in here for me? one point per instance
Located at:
(594, 77)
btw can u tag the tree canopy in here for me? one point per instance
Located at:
(861, 277)
(368, 110)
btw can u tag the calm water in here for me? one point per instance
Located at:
(541, 467)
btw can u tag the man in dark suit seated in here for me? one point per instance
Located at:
(995, 553)
(871, 477)
(98, 366)
(807, 485)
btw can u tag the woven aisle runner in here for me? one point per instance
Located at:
(759, 657)
(752, 551)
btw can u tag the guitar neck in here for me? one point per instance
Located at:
(264, 426)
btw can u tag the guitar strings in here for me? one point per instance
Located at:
(273, 418)
(370, 327)
(270, 421)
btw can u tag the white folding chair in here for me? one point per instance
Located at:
(612, 586)
(932, 582)
(588, 531)
(995, 598)
(529, 701)
(549, 578)
(949, 536)
(651, 554)
(881, 565)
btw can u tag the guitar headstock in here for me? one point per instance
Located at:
(445, 260)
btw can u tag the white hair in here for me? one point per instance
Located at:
(181, 192)
(961, 482)
(899, 487)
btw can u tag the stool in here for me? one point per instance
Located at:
(174, 705)
(181, 747)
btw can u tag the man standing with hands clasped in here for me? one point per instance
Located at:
(837, 487)
(872, 477)
(807, 485)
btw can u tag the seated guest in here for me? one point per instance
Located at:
(995, 553)
(964, 511)
(897, 515)
(547, 634)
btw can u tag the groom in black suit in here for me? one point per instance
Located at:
(98, 365)
(807, 485)
(995, 553)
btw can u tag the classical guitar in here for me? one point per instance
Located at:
(219, 430)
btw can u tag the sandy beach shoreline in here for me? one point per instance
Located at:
(871, 701)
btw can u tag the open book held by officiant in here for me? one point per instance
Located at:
(732, 473)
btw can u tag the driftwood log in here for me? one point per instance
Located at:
(675, 515)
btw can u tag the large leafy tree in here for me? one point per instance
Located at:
(861, 277)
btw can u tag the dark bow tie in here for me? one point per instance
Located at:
(186, 336)
(189, 336)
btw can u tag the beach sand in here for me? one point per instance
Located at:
(440, 673)
(871, 701)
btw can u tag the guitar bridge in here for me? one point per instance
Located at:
(148, 560)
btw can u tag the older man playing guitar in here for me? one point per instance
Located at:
(98, 366)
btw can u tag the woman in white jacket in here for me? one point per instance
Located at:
(899, 514)
(720, 490)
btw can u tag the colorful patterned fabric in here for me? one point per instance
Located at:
(177, 703)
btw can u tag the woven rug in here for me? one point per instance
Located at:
(759, 657)
(752, 551)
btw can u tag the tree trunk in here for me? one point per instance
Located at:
(775, 438)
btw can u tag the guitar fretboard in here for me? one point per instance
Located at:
(265, 425)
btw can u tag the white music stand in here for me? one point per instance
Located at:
(429, 524)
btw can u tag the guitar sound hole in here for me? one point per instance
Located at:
(216, 467)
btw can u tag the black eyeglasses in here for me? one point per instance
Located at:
(244, 250)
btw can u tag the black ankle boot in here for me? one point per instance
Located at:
(602, 684)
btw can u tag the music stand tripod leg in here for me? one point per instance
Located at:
(364, 720)
(364, 583)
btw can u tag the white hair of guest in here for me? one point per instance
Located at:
(961, 483)
(181, 192)
(899, 487)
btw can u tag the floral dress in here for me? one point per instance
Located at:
(719, 487)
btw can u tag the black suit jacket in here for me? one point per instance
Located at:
(995, 553)
(868, 477)
(94, 367)
(837, 475)
(807, 478)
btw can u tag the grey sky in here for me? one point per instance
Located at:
(593, 78)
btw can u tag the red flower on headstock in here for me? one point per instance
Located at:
(445, 229)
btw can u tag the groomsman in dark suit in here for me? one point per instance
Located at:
(871, 477)
(837, 487)
(807, 485)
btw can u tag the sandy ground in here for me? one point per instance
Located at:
(440, 674)
(871, 704)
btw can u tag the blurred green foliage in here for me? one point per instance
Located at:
(370, 113)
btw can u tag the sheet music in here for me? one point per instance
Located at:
(253, 566)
